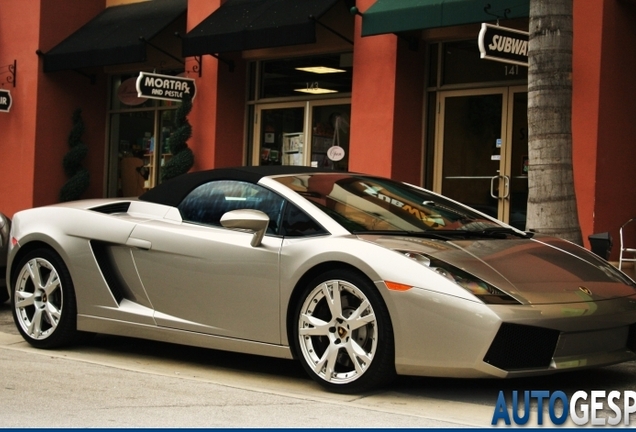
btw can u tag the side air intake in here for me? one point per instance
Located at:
(109, 269)
(119, 207)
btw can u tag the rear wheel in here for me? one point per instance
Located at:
(343, 333)
(43, 300)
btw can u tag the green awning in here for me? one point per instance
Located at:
(393, 16)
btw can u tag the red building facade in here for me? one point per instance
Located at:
(415, 103)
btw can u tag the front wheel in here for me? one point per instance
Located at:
(343, 333)
(43, 300)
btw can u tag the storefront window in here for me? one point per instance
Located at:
(300, 109)
(462, 64)
(316, 75)
(140, 131)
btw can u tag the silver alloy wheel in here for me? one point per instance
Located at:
(337, 331)
(38, 298)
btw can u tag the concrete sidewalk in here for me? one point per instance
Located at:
(92, 386)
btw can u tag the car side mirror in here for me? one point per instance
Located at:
(249, 220)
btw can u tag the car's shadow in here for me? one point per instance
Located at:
(481, 391)
(196, 356)
(6, 320)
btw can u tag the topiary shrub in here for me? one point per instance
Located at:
(78, 176)
(182, 157)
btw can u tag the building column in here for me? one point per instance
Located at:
(218, 111)
(386, 106)
(35, 131)
(603, 113)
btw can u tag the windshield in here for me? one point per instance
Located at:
(371, 204)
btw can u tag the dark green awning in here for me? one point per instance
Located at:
(393, 16)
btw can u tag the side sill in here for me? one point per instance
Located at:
(182, 337)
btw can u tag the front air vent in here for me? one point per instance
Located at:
(522, 347)
(118, 207)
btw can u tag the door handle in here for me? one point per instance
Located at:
(506, 180)
(506, 186)
(138, 243)
(492, 187)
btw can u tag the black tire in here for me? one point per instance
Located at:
(355, 330)
(43, 300)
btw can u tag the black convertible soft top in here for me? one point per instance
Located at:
(173, 191)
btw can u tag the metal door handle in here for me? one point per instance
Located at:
(506, 180)
(492, 186)
(506, 186)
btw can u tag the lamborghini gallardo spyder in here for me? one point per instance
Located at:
(356, 276)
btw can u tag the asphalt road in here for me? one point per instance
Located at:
(124, 382)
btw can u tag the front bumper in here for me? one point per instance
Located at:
(520, 349)
(441, 335)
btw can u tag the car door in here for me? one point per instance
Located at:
(205, 278)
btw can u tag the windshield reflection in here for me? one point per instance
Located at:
(370, 204)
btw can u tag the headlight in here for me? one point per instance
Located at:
(481, 289)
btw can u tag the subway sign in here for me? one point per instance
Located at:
(164, 87)
(503, 44)
(5, 100)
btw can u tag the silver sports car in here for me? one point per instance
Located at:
(358, 277)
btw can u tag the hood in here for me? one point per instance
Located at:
(541, 270)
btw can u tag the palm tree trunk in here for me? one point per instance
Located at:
(551, 198)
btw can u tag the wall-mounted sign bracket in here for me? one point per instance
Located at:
(505, 13)
(12, 70)
(199, 66)
(340, 35)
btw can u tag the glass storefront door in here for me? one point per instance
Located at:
(330, 135)
(482, 151)
(281, 137)
(314, 133)
(139, 137)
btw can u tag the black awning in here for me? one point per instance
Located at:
(113, 36)
(239, 25)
